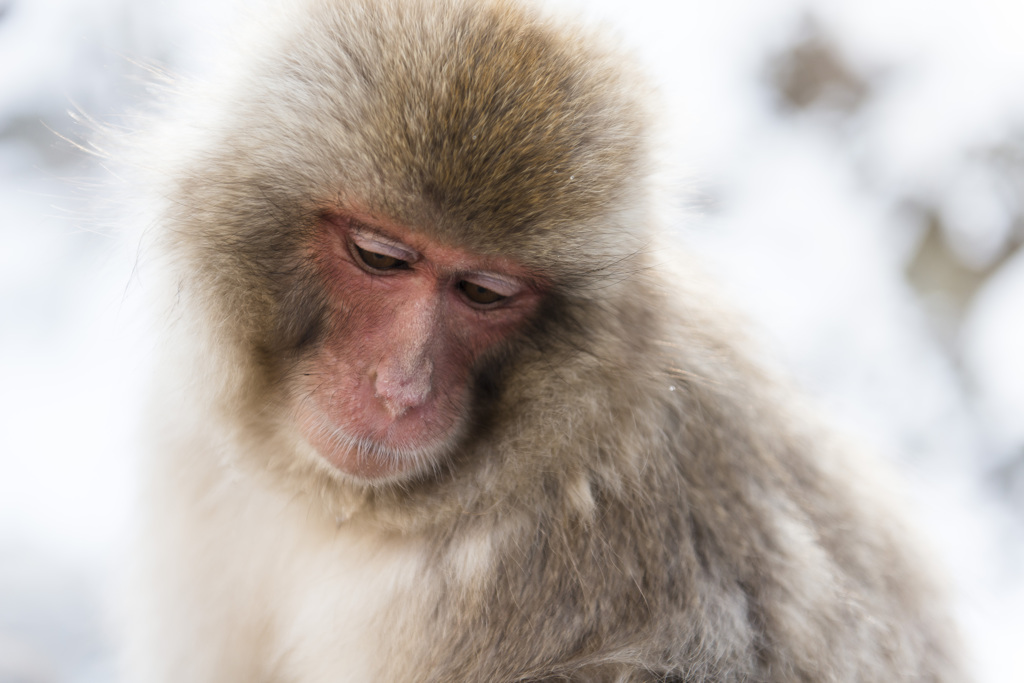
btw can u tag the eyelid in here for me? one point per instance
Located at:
(494, 282)
(379, 244)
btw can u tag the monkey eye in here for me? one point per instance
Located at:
(486, 289)
(377, 252)
(478, 294)
(379, 261)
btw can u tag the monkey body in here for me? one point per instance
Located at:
(708, 566)
(436, 410)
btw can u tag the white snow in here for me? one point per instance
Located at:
(994, 351)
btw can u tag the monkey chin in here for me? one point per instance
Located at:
(373, 459)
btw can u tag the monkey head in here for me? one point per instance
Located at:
(375, 245)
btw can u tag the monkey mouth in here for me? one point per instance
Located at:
(381, 449)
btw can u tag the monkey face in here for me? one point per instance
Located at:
(388, 393)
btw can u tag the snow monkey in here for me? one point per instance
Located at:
(435, 406)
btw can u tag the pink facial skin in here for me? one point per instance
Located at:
(387, 396)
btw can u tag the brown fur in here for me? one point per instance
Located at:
(634, 500)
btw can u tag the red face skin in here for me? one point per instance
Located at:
(387, 395)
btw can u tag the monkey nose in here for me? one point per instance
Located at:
(402, 389)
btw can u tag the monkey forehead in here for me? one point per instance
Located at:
(476, 118)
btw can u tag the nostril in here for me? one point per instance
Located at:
(402, 389)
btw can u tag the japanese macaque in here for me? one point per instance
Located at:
(438, 407)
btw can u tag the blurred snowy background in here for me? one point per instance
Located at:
(857, 175)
